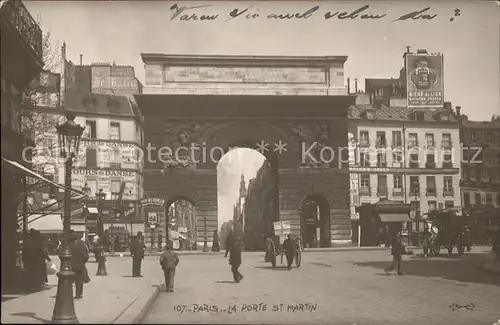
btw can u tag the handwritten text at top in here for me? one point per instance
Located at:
(195, 13)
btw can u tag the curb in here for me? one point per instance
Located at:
(312, 250)
(489, 268)
(135, 312)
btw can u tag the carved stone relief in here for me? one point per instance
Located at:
(314, 137)
(183, 139)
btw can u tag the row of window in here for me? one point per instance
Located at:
(476, 136)
(113, 134)
(113, 156)
(397, 157)
(478, 201)
(414, 185)
(397, 140)
(480, 174)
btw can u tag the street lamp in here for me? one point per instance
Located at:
(101, 260)
(69, 134)
(205, 245)
(86, 190)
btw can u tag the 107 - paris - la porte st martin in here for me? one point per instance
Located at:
(197, 108)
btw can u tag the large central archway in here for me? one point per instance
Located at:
(248, 200)
(292, 109)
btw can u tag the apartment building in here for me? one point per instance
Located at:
(110, 154)
(405, 156)
(480, 183)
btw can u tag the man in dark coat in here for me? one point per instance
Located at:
(289, 246)
(79, 256)
(229, 242)
(215, 244)
(137, 252)
(168, 262)
(235, 260)
(397, 251)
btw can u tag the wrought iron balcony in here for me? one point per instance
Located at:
(14, 12)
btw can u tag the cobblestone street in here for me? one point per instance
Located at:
(343, 287)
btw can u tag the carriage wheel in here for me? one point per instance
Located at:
(450, 250)
(298, 259)
(460, 249)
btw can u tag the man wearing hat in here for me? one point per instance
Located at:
(168, 261)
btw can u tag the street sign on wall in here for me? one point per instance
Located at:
(424, 80)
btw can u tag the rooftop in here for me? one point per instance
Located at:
(274, 60)
(386, 113)
(494, 125)
(100, 104)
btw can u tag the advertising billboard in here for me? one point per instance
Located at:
(424, 80)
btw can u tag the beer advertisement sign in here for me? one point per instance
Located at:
(424, 80)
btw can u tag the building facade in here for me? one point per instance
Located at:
(260, 207)
(480, 182)
(401, 153)
(114, 79)
(22, 61)
(110, 157)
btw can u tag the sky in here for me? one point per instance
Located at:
(466, 33)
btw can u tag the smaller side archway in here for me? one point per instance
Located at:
(181, 223)
(315, 221)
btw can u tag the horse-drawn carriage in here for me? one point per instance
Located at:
(446, 229)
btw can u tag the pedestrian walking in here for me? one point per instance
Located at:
(269, 249)
(397, 251)
(168, 261)
(137, 251)
(215, 244)
(289, 246)
(229, 241)
(79, 256)
(235, 259)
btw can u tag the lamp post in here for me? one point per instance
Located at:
(101, 266)
(416, 191)
(69, 134)
(205, 245)
(86, 189)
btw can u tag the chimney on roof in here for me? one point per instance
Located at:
(348, 86)
(447, 106)
(422, 51)
(356, 85)
(458, 109)
(408, 48)
(81, 59)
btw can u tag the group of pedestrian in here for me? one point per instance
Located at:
(35, 255)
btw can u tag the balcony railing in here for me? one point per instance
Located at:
(447, 192)
(430, 165)
(431, 192)
(397, 192)
(15, 13)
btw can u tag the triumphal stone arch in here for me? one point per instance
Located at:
(292, 109)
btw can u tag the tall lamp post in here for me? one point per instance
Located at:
(205, 245)
(69, 134)
(101, 266)
(86, 189)
(416, 191)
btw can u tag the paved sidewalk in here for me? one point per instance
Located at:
(116, 298)
(492, 266)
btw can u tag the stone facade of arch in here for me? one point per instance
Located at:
(305, 119)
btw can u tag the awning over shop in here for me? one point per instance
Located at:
(28, 172)
(92, 210)
(394, 217)
(50, 223)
